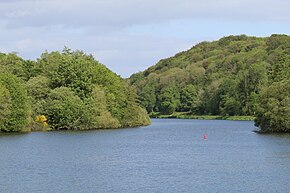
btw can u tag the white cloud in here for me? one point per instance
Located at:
(130, 35)
(125, 13)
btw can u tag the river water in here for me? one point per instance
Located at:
(171, 155)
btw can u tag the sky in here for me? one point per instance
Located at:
(128, 36)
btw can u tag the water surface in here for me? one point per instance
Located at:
(171, 155)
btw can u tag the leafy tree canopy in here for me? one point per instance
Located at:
(223, 77)
(67, 90)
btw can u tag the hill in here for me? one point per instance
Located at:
(236, 75)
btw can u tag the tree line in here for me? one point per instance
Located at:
(236, 75)
(67, 90)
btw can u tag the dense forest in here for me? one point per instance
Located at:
(66, 90)
(236, 75)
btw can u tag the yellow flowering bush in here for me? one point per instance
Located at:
(41, 119)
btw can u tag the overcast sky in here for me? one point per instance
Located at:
(130, 35)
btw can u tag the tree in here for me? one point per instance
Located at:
(140, 116)
(138, 119)
(168, 100)
(147, 97)
(188, 97)
(64, 110)
(280, 65)
(38, 91)
(98, 116)
(16, 107)
(273, 109)
(230, 106)
(229, 97)
(5, 106)
(250, 85)
(67, 90)
(90, 81)
(11, 63)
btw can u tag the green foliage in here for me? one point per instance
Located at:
(229, 98)
(273, 111)
(168, 100)
(11, 63)
(97, 113)
(147, 97)
(74, 70)
(140, 116)
(14, 104)
(5, 106)
(70, 89)
(188, 98)
(277, 40)
(230, 107)
(81, 73)
(64, 110)
(222, 78)
(38, 91)
(280, 65)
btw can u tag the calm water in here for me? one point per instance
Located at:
(168, 156)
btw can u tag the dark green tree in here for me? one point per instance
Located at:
(188, 98)
(16, 110)
(168, 100)
(11, 63)
(5, 106)
(280, 65)
(273, 108)
(65, 110)
(38, 91)
(147, 97)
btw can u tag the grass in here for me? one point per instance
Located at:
(186, 115)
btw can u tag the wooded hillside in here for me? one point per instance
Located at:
(236, 75)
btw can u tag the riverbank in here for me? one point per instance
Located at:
(185, 115)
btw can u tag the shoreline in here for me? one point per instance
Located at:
(184, 115)
(65, 130)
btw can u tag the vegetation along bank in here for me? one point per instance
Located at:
(234, 76)
(66, 90)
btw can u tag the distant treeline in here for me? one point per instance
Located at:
(236, 75)
(66, 90)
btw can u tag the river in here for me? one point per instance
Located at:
(171, 155)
